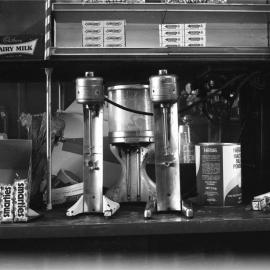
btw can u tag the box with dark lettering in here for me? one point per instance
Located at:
(15, 180)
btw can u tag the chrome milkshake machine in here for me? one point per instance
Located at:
(131, 139)
(164, 95)
(90, 93)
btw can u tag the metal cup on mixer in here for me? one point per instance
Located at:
(131, 137)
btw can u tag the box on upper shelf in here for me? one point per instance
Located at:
(97, 34)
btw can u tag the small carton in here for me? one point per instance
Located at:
(189, 39)
(93, 31)
(195, 44)
(195, 26)
(90, 24)
(114, 23)
(171, 27)
(111, 31)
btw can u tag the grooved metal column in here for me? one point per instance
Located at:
(48, 72)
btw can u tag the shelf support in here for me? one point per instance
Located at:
(48, 72)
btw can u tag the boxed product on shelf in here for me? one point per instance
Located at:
(114, 38)
(114, 23)
(199, 32)
(171, 27)
(195, 26)
(195, 44)
(114, 44)
(189, 39)
(171, 35)
(114, 31)
(89, 24)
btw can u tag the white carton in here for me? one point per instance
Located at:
(171, 27)
(189, 39)
(114, 23)
(110, 31)
(171, 33)
(171, 40)
(93, 44)
(92, 31)
(171, 44)
(195, 26)
(195, 32)
(114, 38)
(93, 39)
(90, 24)
(114, 44)
(195, 44)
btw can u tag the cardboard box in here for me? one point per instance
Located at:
(195, 26)
(90, 24)
(15, 165)
(110, 31)
(114, 44)
(195, 44)
(195, 32)
(190, 39)
(114, 38)
(171, 27)
(114, 23)
(92, 31)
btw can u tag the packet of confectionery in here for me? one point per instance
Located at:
(21, 199)
(6, 203)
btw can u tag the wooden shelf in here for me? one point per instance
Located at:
(168, 54)
(129, 221)
(159, 7)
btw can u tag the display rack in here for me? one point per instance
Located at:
(129, 221)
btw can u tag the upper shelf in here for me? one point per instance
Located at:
(170, 54)
(159, 7)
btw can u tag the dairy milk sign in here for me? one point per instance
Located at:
(21, 48)
(12, 46)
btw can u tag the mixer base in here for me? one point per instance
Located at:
(109, 207)
(151, 208)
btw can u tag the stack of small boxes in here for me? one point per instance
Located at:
(182, 35)
(171, 35)
(100, 34)
(195, 35)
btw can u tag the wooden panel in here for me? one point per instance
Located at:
(129, 221)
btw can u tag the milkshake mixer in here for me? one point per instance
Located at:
(131, 137)
(164, 95)
(89, 93)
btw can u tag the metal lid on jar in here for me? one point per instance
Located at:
(89, 80)
(163, 87)
(128, 87)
